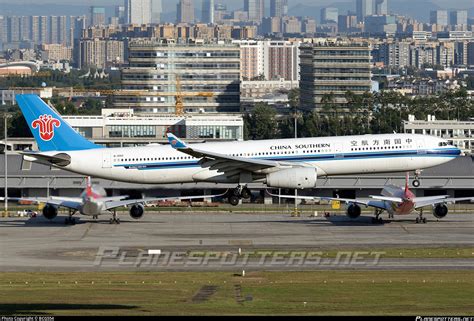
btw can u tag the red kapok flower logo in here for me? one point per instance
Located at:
(46, 124)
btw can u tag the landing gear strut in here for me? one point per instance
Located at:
(70, 220)
(416, 181)
(420, 218)
(238, 193)
(114, 219)
(377, 219)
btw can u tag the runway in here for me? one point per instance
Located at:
(208, 242)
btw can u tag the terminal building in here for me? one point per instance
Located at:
(122, 128)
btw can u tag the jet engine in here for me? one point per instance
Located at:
(294, 178)
(137, 211)
(440, 211)
(353, 211)
(50, 211)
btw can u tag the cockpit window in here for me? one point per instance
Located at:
(442, 144)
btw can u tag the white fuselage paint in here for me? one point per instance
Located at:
(161, 164)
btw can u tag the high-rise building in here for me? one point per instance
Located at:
(44, 34)
(200, 68)
(35, 29)
(100, 52)
(97, 16)
(347, 23)
(271, 25)
(329, 70)
(156, 10)
(185, 11)
(329, 15)
(138, 12)
(470, 54)
(380, 24)
(364, 8)
(57, 29)
(308, 26)
(439, 17)
(120, 14)
(380, 7)
(53, 29)
(278, 8)
(13, 29)
(3, 30)
(255, 9)
(25, 28)
(208, 11)
(458, 18)
(291, 25)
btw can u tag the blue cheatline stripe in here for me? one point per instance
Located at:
(448, 153)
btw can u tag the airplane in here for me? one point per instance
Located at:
(93, 201)
(278, 163)
(394, 200)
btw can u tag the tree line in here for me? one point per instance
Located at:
(370, 113)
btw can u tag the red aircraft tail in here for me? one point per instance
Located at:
(88, 186)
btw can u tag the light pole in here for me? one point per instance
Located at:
(5, 118)
(296, 190)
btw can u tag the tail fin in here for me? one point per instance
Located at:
(407, 182)
(89, 186)
(49, 129)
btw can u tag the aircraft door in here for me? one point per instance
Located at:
(106, 159)
(339, 150)
(420, 146)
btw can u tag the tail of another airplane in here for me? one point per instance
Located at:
(51, 132)
(407, 183)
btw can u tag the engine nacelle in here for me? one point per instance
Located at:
(137, 211)
(50, 211)
(440, 211)
(294, 178)
(353, 211)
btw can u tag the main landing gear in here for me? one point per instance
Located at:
(416, 181)
(237, 194)
(70, 220)
(377, 219)
(420, 218)
(114, 219)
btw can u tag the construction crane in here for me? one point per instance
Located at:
(178, 94)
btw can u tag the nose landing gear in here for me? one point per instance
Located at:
(416, 181)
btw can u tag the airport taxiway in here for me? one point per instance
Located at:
(36, 244)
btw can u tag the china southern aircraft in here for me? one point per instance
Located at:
(394, 200)
(93, 201)
(282, 163)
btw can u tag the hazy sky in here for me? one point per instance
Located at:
(446, 3)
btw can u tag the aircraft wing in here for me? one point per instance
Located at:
(230, 165)
(68, 202)
(369, 203)
(445, 200)
(114, 204)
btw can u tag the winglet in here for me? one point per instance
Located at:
(175, 142)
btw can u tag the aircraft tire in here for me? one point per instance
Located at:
(234, 200)
(416, 183)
